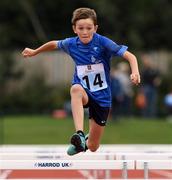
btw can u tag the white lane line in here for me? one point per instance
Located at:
(86, 173)
(4, 174)
(163, 173)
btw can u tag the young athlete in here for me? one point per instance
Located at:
(91, 53)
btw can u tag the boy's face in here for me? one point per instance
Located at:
(85, 29)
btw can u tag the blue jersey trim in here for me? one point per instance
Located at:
(122, 50)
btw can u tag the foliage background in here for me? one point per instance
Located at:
(144, 25)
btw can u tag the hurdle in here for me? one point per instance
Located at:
(103, 148)
(147, 161)
(57, 156)
(61, 156)
(86, 156)
(69, 165)
(147, 165)
(143, 156)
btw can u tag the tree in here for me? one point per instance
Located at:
(8, 73)
(140, 24)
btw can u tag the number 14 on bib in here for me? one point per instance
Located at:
(92, 76)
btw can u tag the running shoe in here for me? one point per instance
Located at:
(77, 144)
(86, 137)
(71, 150)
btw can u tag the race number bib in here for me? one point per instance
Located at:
(92, 76)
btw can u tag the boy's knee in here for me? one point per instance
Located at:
(76, 89)
(93, 147)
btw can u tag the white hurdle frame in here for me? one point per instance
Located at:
(147, 161)
(143, 156)
(90, 161)
(60, 156)
(153, 164)
(103, 148)
(69, 165)
(57, 156)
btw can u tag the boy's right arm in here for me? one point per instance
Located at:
(51, 45)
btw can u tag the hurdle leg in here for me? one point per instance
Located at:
(95, 173)
(107, 174)
(124, 171)
(107, 171)
(146, 170)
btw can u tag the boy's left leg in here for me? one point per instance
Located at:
(78, 99)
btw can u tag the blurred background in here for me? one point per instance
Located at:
(34, 93)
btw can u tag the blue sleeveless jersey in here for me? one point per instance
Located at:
(92, 64)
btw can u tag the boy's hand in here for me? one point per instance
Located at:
(27, 52)
(135, 78)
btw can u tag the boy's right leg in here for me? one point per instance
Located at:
(95, 134)
(98, 117)
(79, 98)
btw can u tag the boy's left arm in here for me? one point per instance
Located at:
(135, 75)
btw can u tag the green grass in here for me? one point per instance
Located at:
(46, 130)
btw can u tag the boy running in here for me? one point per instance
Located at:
(91, 53)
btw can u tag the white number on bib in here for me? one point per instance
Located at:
(92, 76)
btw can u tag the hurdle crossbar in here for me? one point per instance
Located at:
(145, 156)
(154, 164)
(66, 164)
(147, 165)
(57, 156)
(103, 148)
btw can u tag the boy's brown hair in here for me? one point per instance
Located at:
(84, 13)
